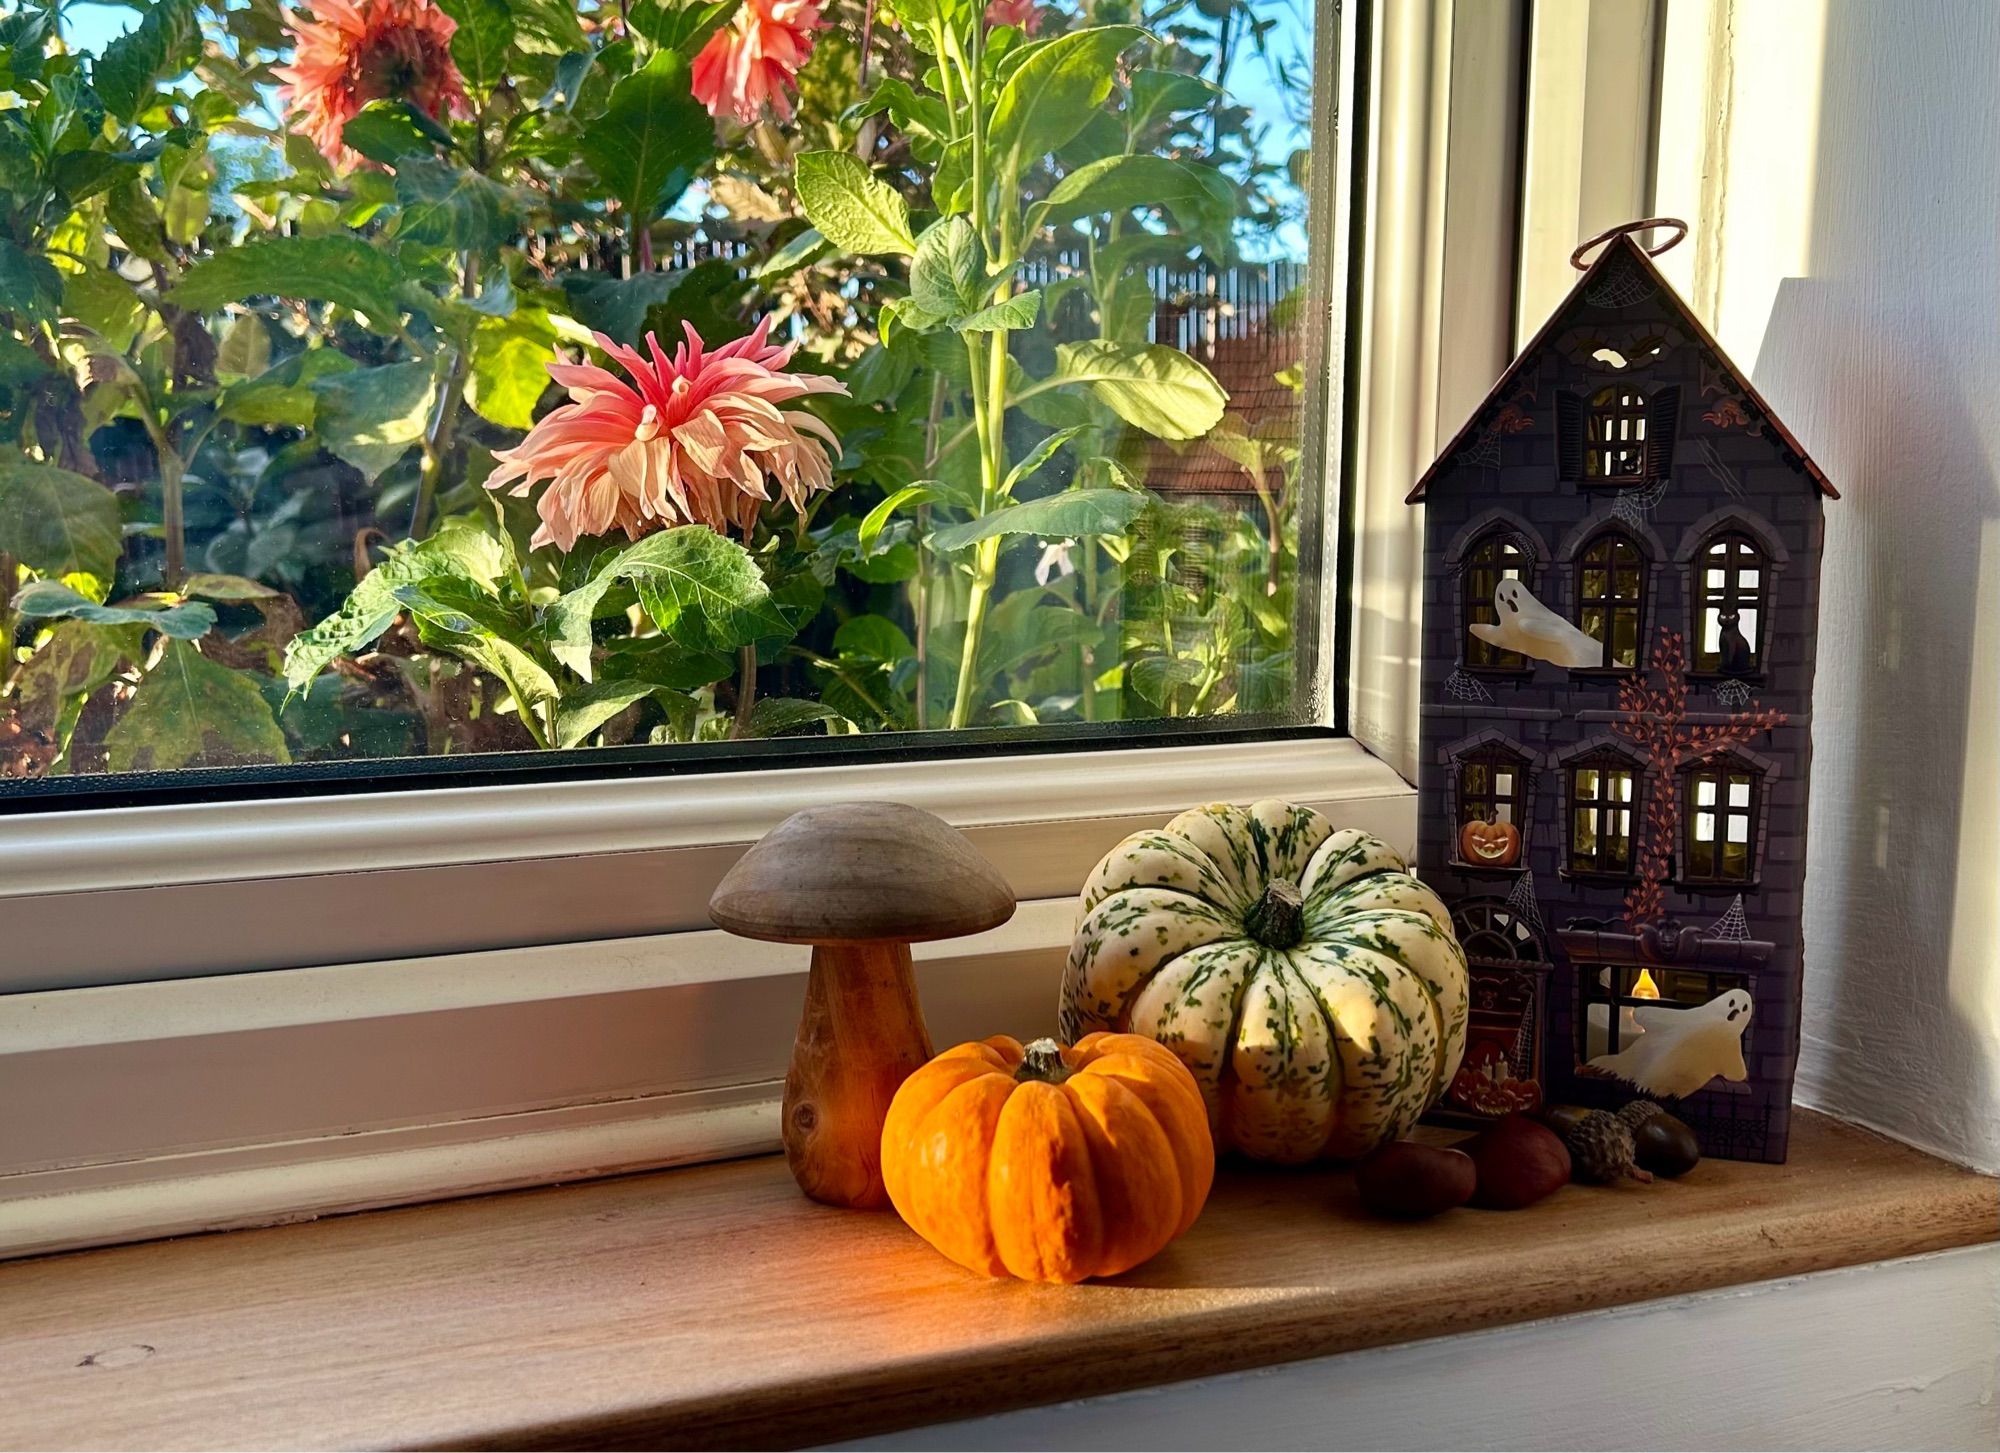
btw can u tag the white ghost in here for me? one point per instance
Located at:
(1532, 629)
(1680, 1050)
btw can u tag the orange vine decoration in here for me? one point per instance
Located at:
(1654, 719)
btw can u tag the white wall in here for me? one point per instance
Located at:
(1840, 160)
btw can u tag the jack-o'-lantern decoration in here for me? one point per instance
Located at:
(1490, 844)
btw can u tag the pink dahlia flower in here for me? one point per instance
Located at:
(754, 60)
(1024, 14)
(693, 439)
(351, 52)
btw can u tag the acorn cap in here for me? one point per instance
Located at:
(861, 872)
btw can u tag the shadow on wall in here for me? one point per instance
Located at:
(1887, 361)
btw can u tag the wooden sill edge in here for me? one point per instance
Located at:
(749, 1345)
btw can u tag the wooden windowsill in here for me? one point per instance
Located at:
(715, 1306)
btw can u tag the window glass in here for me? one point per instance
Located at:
(1729, 606)
(397, 379)
(1496, 557)
(1601, 817)
(1611, 597)
(1721, 823)
(1615, 438)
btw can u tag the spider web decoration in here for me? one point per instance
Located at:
(1634, 506)
(1484, 453)
(1521, 1060)
(1713, 462)
(1733, 694)
(1521, 898)
(1622, 286)
(1463, 686)
(1733, 926)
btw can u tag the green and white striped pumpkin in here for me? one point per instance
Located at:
(1313, 986)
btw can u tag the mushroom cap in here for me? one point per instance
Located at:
(861, 872)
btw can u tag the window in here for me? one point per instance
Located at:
(1719, 807)
(1614, 446)
(1611, 597)
(1492, 788)
(1617, 997)
(1731, 584)
(1495, 557)
(361, 460)
(1602, 814)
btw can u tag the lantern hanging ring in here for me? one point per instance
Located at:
(1645, 224)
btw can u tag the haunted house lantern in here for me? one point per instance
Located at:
(1621, 604)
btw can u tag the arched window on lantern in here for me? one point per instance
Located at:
(1730, 594)
(1603, 814)
(1719, 805)
(1611, 580)
(1495, 556)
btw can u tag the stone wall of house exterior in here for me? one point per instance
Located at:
(1729, 468)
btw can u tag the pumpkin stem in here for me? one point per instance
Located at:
(1043, 1061)
(1277, 920)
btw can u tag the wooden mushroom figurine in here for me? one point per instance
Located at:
(860, 882)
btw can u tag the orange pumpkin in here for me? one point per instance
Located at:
(1489, 844)
(1046, 1163)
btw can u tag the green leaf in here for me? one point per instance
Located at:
(245, 350)
(166, 41)
(227, 587)
(444, 206)
(652, 139)
(1018, 311)
(1199, 195)
(1157, 678)
(1157, 93)
(703, 591)
(282, 395)
(1063, 516)
(1150, 386)
(800, 251)
(484, 35)
(56, 522)
(183, 620)
(371, 416)
(617, 308)
(337, 269)
(192, 712)
(458, 615)
(29, 286)
(777, 716)
(948, 276)
(135, 217)
(386, 132)
(852, 208)
(81, 175)
(587, 708)
(1052, 94)
(874, 639)
(1041, 454)
(510, 360)
(877, 519)
(75, 660)
(371, 607)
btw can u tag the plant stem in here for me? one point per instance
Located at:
(921, 592)
(746, 691)
(173, 524)
(437, 438)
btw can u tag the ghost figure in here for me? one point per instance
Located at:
(1680, 1050)
(1532, 629)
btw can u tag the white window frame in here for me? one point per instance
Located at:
(352, 1001)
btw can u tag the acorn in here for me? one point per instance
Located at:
(1665, 1145)
(1638, 1112)
(1601, 1150)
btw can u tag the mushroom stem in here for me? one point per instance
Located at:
(860, 1037)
